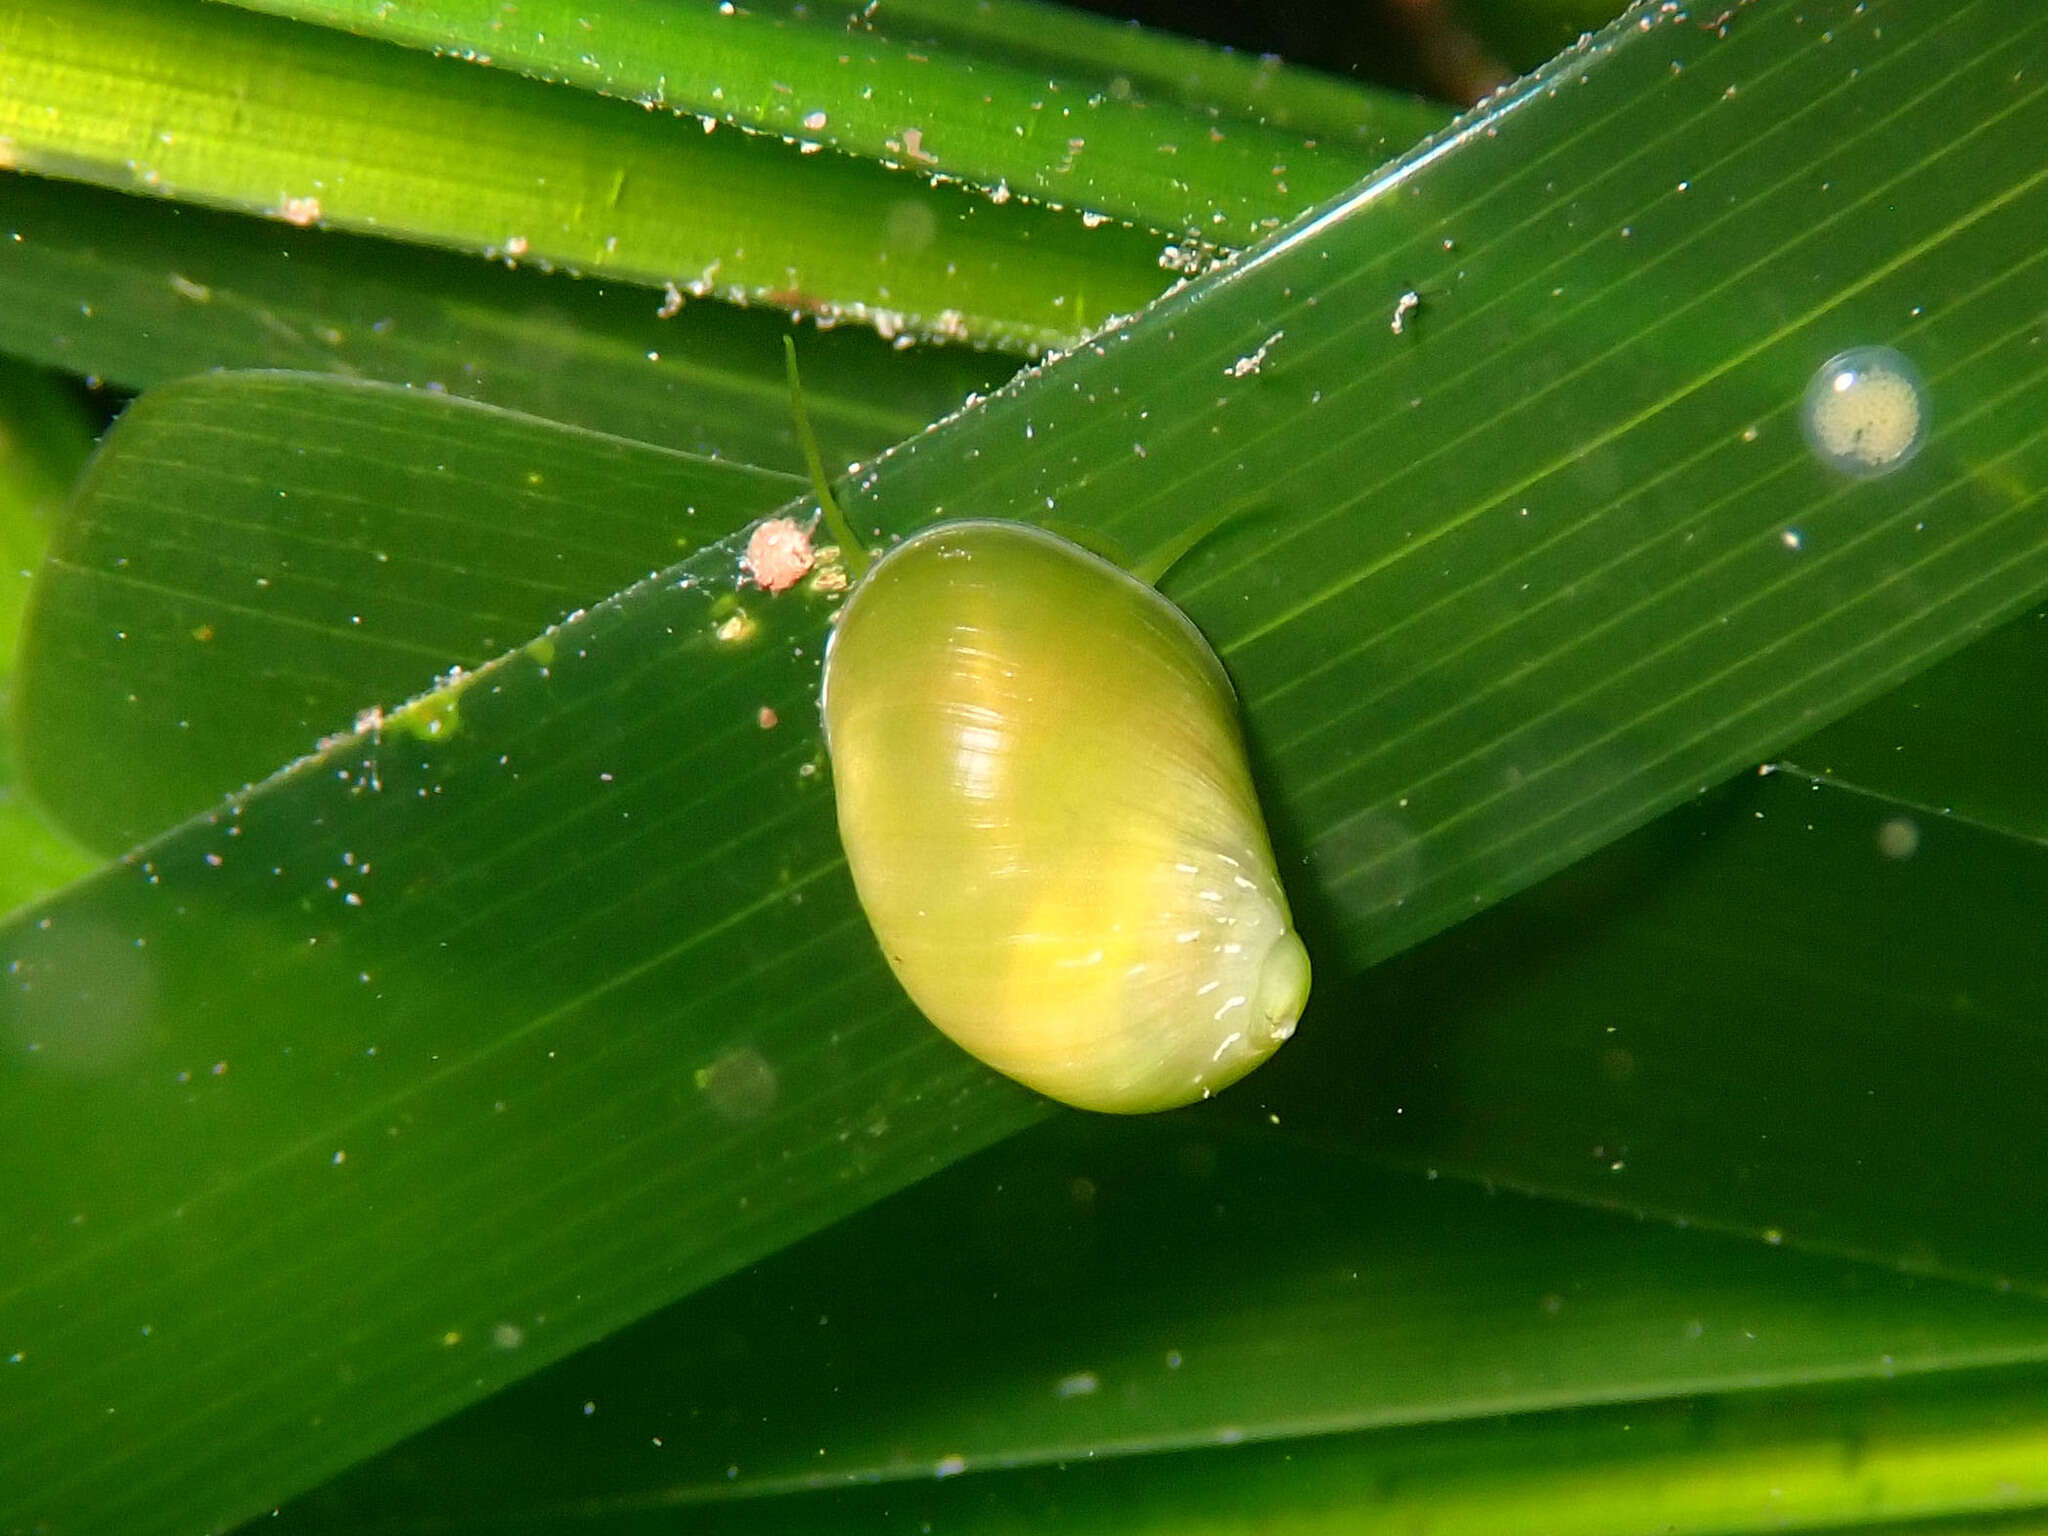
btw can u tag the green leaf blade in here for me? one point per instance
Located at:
(337, 548)
(445, 154)
(1112, 1290)
(1649, 600)
(968, 108)
(374, 1063)
(137, 292)
(44, 439)
(1960, 739)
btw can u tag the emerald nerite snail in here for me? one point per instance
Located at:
(1044, 800)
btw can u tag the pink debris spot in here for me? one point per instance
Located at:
(302, 211)
(779, 554)
(913, 146)
(767, 718)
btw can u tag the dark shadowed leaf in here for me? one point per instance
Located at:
(1117, 1289)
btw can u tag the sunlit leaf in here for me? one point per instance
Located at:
(224, 107)
(954, 95)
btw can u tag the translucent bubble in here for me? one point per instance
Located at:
(739, 1085)
(1865, 413)
(1898, 838)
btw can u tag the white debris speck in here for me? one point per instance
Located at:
(1252, 362)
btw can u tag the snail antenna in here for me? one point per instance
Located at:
(1152, 570)
(852, 550)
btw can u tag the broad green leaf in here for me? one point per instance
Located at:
(1555, 556)
(219, 106)
(1096, 1290)
(335, 548)
(137, 292)
(552, 878)
(965, 104)
(530, 1024)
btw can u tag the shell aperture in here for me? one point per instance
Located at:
(1044, 800)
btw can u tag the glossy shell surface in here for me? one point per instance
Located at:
(1044, 799)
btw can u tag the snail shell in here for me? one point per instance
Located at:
(1044, 799)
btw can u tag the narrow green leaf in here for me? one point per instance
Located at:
(1963, 1454)
(44, 438)
(1094, 1290)
(934, 105)
(1793, 1012)
(137, 292)
(1526, 32)
(219, 106)
(1966, 738)
(964, 105)
(334, 548)
(1952, 1454)
(1160, 67)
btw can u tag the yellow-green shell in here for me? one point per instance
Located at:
(1044, 799)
